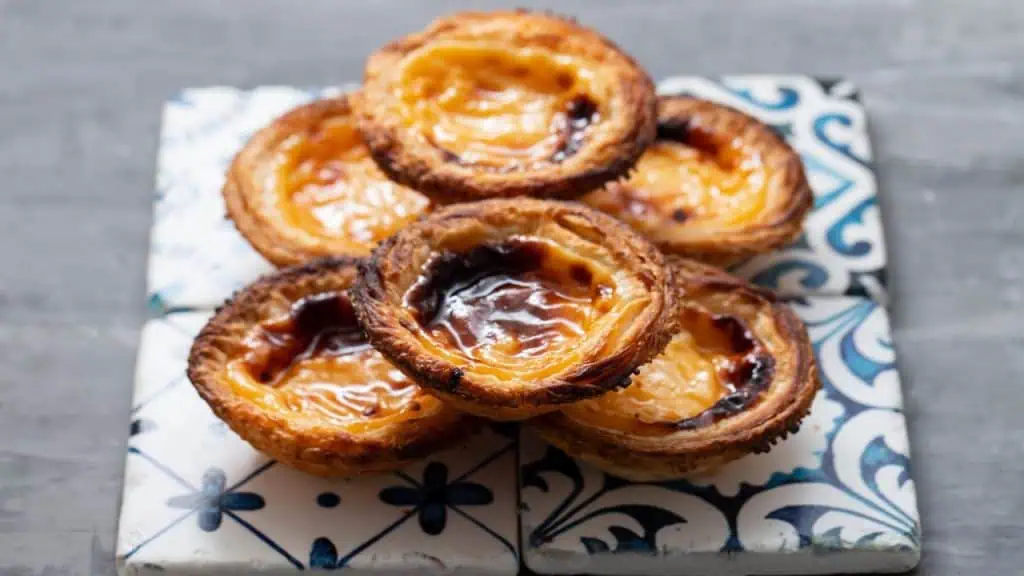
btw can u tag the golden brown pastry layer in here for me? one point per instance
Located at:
(738, 375)
(500, 104)
(717, 185)
(285, 364)
(305, 187)
(510, 308)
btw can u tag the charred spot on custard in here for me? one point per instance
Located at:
(581, 113)
(749, 378)
(508, 292)
(318, 325)
(581, 274)
(451, 271)
(745, 378)
(449, 156)
(674, 129)
(565, 81)
(690, 133)
(740, 339)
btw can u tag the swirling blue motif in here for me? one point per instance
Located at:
(567, 515)
(892, 517)
(821, 197)
(839, 88)
(821, 124)
(837, 230)
(868, 284)
(877, 454)
(803, 518)
(815, 276)
(863, 367)
(845, 324)
(554, 460)
(788, 98)
(650, 517)
(847, 318)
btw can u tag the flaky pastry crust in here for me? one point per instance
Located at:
(631, 329)
(669, 450)
(304, 440)
(370, 206)
(713, 129)
(616, 93)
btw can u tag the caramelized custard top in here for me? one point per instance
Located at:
(315, 362)
(523, 303)
(690, 177)
(714, 367)
(326, 184)
(496, 107)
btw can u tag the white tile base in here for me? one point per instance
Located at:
(836, 497)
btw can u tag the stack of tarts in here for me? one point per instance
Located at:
(506, 223)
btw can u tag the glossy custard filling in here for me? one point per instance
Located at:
(326, 184)
(495, 107)
(714, 367)
(519, 308)
(315, 363)
(690, 177)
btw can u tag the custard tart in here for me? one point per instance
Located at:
(737, 376)
(511, 308)
(501, 104)
(305, 187)
(286, 366)
(716, 185)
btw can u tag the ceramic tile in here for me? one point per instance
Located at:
(835, 497)
(842, 249)
(198, 258)
(199, 500)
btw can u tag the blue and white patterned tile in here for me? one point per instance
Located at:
(835, 497)
(197, 257)
(198, 499)
(842, 249)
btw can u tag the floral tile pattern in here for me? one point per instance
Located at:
(835, 497)
(198, 499)
(841, 252)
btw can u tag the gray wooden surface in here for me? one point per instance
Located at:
(81, 84)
